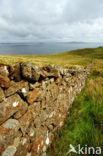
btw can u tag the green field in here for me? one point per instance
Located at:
(84, 125)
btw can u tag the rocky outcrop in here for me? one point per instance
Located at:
(34, 103)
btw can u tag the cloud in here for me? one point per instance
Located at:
(56, 20)
(79, 10)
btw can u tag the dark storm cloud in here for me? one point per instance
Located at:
(51, 20)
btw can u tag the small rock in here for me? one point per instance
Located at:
(11, 124)
(25, 121)
(58, 80)
(10, 106)
(28, 154)
(4, 70)
(54, 73)
(43, 73)
(35, 85)
(48, 68)
(30, 72)
(33, 95)
(21, 111)
(16, 72)
(2, 96)
(9, 131)
(15, 86)
(10, 151)
(4, 82)
(50, 127)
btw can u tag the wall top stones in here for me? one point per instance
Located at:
(34, 102)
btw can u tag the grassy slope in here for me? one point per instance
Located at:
(85, 123)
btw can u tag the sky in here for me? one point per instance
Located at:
(51, 20)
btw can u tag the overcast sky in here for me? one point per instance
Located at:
(51, 20)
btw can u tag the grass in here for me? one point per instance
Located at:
(85, 124)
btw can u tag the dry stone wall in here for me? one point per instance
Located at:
(34, 103)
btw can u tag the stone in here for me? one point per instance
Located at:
(22, 110)
(8, 132)
(28, 154)
(4, 73)
(9, 107)
(43, 116)
(30, 72)
(58, 80)
(51, 80)
(48, 68)
(33, 96)
(16, 142)
(12, 124)
(50, 127)
(4, 70)
(24, 90)
(25, 121)
(44, 84)
(39, 141)
(37, 147)
(24, 146)
(54, 73)
(44, 149)
(4, 82)
(26, 70)
(2, 96)
(43, 74)
(9, 151)
(36, 73)
(43, 103)
(35, 108)
(54, 91)
(16, 72)
(34, 85)
(51, 121)
(15, 86)
(31, 132)
(37, 122)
